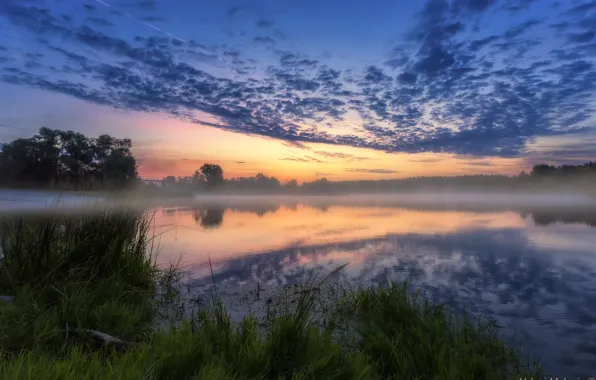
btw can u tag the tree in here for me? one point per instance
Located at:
(542, 170)
(78, 159)
(266, 183)
(213, 175)
(55, 158)
(119, 169)
(169, 181)
(291, 184)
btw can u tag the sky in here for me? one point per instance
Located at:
(366, 90)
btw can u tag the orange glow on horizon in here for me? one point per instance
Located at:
(185, 147)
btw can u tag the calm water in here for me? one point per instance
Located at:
(530, 263)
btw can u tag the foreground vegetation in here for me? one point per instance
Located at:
(74, 277)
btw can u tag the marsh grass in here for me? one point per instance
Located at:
(97, 272)
(90, 271)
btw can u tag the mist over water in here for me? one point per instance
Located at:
(527, 260)
(39, 201)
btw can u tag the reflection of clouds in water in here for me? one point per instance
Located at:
(577, 239)
(543, 294)
(336, 231)
(304, 227)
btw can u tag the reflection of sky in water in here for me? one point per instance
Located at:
(243, 231)
(533, 271)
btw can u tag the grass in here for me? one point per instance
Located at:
(89, 271)
(96, 272)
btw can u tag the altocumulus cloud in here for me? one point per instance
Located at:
(447, 86)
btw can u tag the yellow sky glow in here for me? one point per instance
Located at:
(179, 148)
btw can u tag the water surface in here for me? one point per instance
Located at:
(528, 262)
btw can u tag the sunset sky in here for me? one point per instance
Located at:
(349, 90)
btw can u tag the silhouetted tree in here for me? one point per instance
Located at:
(55, 158)
(291, 184)
(213, 175)
(543, 169)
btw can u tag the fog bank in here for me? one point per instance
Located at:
(15, 201)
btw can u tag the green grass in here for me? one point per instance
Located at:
(86, 271)
(95, 272)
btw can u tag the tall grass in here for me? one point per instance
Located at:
(90, 271)
(96, 273)
(408, 337)
(87, 248)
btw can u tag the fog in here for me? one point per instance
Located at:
(33, 201)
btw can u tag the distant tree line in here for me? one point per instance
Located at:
(58, 159)
(543, 170)
(210, 177)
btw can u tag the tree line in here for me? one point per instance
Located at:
(70, 160)
(67, 160)
(543, 177)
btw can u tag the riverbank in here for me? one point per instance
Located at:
(74, 276)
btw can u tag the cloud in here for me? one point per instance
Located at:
(295, 144)
(295, 61)
(303, 159)
(342, 156)
(520, 29)
(407, 78)
(314, 159)
(264, 40)
(564, 151)
(582, 37)
(100, 21)
(472, 5)
(425, 160)
(89, 7)
(477, 45)
(478, 163)
(374, 75)
(374, 171)
(297, 159)
(233, 11)
(264, 23)
(583, 8)
(444, 88)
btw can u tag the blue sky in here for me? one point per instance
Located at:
(474, 79)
